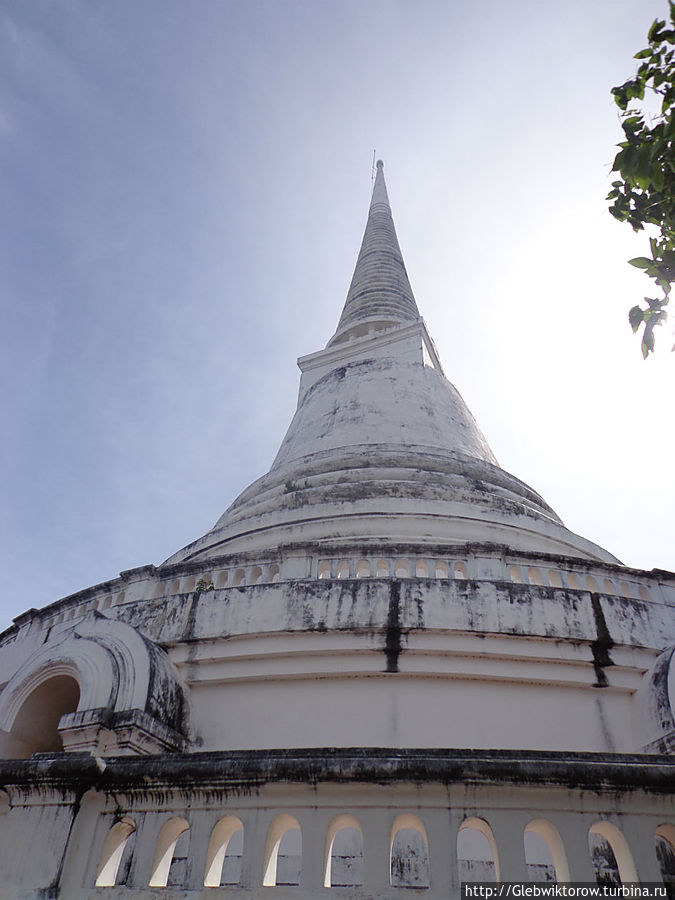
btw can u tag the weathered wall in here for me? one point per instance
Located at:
(434, 795)
(371, 661)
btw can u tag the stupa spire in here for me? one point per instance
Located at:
(382, 447)
(380, 291)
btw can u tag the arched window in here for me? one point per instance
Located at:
(573, 581)
(363, 569)
(545, 853)
(283, 852)
(534, 576)
(344, 853)
(343, 569)
(408, 853)
(460, 572)
(554, 578)
(187, 584)
(441, 570)
(238, 578)
(168, 863)
(110, 871)
(515, 574)
(421, 569)
(256, 574)
(273, 573)
(324, 569)
(608, 586)
(624, 589)
(665, 853)
(477, 858)
(223, 858)
(382, 568)
(591, 584)
(401, 569)
(610, 855)
(35, 727)
(221, 579)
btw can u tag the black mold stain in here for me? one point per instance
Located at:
(601, 646)
(54, 889)
(392, 646)
(241, 773)
(191, 618)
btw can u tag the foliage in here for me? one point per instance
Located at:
(645, 195)
(204, 585)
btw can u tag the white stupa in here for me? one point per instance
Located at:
(388, 667)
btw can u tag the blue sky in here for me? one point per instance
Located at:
(183, 191)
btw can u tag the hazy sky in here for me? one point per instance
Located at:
(183, 191)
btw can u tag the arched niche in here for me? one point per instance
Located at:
(223, 857)
(83, 680)
(664, 838)
(544, 848)
(408, 853)
(610, 854)
(344, 853)
(117, 841)
(283, 852)
(655, 705)
(168, 862)
(477, 856)
(35, 725)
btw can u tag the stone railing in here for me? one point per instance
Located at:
(483, 564)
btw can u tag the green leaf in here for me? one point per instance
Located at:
(635, 318)
(620, 98)
(641, 262)
(657, 25)
(647, 342)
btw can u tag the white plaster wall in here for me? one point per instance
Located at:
(394, 710)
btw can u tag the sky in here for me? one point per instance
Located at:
(183, 192)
